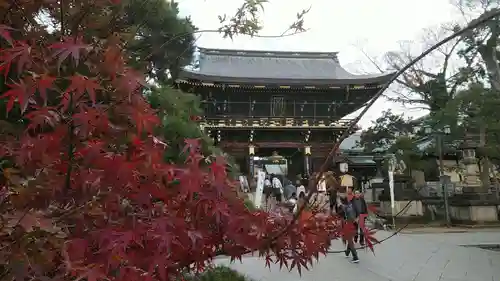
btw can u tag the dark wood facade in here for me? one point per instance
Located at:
(257, 102)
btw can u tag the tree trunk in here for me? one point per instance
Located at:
(491, 62)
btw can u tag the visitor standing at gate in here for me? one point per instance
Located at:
(268, 188)
(277, 188)
(321, 198)
(361, 208)
(301, 189)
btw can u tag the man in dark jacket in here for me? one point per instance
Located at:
(360, 207)
(347, 210)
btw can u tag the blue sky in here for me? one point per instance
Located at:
(375, 26)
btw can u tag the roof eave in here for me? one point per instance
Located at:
(380, 80)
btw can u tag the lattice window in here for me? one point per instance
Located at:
(278, 106)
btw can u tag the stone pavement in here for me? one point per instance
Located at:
(416, 229)
(405, 257)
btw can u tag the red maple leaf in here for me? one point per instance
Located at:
(125, 212)
(370, 238)
(129, 82)
(145, 122)
(348, 230)
(93, 274)
(81, 84)
(195, 118)
(44, 83)
(5, 33)
(69, 47)
(20, 92)
(19, 54)
(90, 120)
(113, 61)
(42, 116)
(191, 145)
(5, 69)
(30, 220)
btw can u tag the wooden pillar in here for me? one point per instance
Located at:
(251, 153)
(307, 160)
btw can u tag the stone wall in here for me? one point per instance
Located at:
(466, 212)
(478, 214)
(402, 208)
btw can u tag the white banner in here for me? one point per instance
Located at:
(391, 188)
(260, 189)
(243, 183)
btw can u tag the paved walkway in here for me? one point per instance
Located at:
(442, 229)
(405, 257)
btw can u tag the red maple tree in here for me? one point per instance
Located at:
(85, 192)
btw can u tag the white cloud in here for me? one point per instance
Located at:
(334, 25)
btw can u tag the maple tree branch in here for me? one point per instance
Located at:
(313, 183)
(74, 30)
(112, 29)
(372, 61)
(139, 26)
(448, 56)
(67, 184)
(74, 210)
(178, 36)
(23, 13)
(21, 218)
(7, 12)
(61, 18)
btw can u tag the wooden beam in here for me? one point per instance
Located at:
(314, 146)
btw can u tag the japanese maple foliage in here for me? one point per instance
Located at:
(85, 192)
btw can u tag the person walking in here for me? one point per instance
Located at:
(347, 210)
(301, 189)
(321, 200)
(331, 190)
(361, 208)
(268, 188)
(277, 188)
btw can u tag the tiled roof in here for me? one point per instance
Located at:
(219, 65)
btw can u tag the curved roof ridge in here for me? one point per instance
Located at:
(268, 53)
(238, 66)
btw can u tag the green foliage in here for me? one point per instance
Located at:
(395, 134)
(249, 204)
(219, 273)
(477, 107)
(406, 149)
(178, 112)
(385, 131)
(247, 20)
(163, 42)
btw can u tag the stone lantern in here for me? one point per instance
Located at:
(377, 183)
(342, 163)
(469, 162)
(378, 159)
(468, 148)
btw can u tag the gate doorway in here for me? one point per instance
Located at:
(278, 106)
